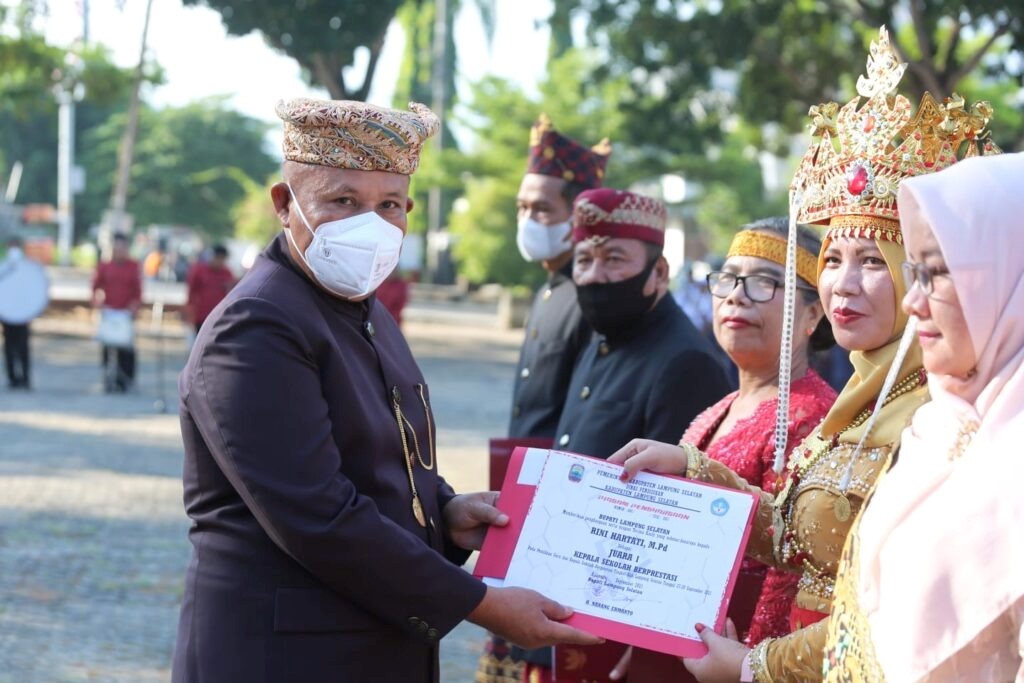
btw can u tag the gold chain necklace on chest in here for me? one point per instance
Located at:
(407, 455)
(812, 455)
(841, 506)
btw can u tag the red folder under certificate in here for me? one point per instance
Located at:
(640, 562)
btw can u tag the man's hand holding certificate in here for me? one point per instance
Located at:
(640, 562)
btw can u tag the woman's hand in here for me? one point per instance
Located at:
(655, 456)
(724, 661)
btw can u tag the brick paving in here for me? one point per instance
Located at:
(93, 541)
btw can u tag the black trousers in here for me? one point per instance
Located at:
(118, 368)
(16, 356)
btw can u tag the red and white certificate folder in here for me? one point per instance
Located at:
(500, 545)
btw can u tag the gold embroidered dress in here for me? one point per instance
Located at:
(803, 529)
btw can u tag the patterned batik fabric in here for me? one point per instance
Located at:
(355, 135)
(849, 655)
(747, 449)
(497, 665)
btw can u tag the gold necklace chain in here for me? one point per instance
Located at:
(417, 505)
(811, 456)
(905, 386)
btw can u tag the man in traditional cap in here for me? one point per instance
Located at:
(648, 371)
(326, 545)
(559, 169)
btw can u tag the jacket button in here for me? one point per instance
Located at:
(525, 373)
(369, 329)
(433, 633)
(603, 348)
(564, 441)
(533, 333)
(516, 411)
(585, 393)
(415, 622)
(547, 294)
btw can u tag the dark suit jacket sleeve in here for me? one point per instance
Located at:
(445, 493)
(689, 383)
(257, 402)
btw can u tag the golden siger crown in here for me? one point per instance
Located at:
(849, 177)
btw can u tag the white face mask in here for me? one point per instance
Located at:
(539, 242)
(352, 256)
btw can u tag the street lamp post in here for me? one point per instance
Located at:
(68, 91)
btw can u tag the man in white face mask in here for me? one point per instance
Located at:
(327, 545)
(559, 169)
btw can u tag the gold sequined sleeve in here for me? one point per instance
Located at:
(760, 545)
(795, 658)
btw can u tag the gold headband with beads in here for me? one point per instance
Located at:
(767, 246)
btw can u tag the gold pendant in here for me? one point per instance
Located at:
(417, 511)
(841, 508)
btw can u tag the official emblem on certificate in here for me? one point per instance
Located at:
(639, 562)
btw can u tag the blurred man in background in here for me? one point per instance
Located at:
(208, 282)
(117, 294)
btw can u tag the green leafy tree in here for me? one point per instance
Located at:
(785, 56)
(29, 69)
(254, 216)
(192, 165)
(322, 36)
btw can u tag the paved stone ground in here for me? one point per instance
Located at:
(92, 531)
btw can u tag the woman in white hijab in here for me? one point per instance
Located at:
(933, 588)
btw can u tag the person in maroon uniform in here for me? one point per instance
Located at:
(117, 288)
(326, 546)
(208, 283)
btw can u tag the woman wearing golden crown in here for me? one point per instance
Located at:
(847, 181)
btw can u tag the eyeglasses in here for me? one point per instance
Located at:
(757, 288)
(921, 274)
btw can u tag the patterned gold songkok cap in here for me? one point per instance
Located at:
(356, 135)
(601, 214)
(849, 177)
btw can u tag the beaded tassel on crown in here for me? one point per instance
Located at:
(786, 348)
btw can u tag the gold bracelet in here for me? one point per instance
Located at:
(695, 460)
(759, 661)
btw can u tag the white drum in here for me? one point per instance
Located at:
(24, 291)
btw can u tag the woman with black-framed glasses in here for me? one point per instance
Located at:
(736, 431)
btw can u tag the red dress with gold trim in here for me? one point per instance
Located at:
(748, 450)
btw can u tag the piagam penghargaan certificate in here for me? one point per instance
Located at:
(647, 559)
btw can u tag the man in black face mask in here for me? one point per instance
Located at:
(647, 371)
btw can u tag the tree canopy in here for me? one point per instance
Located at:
(193, 164)
(695, 65)
(323, 36)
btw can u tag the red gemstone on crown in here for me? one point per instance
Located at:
(858, 181)
(869, 123)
